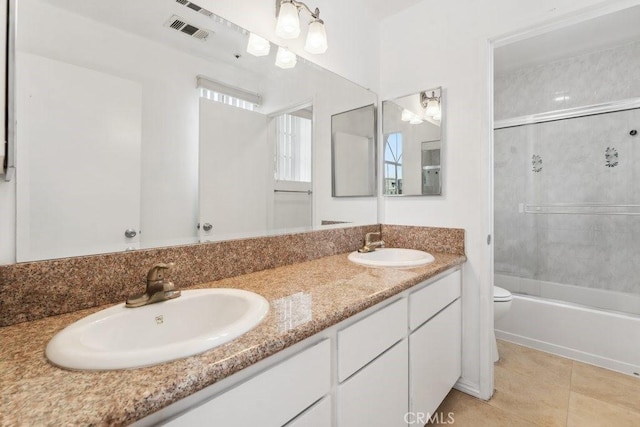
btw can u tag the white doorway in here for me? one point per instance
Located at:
(293, 169)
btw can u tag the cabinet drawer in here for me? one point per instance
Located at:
(363, 341)
(272, 397)
(426, 302)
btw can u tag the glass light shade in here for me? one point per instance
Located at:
(258, 46)
(316, 38)
(438, 116)
(433, 108)
(288, 26)
(285, 58)
(406, 115)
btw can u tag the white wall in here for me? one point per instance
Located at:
(446, 43)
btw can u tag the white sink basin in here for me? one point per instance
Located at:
(392, 257)
(120, 337)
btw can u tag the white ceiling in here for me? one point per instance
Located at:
(384, 8)
(593, 35)
(147, 18)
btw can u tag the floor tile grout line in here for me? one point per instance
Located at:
(566, 420)
(507, 414)
(608, 403)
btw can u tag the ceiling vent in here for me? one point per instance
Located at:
(195, 7)
(180, 24)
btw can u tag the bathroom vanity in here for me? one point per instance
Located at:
(398, 358)
(342, 345)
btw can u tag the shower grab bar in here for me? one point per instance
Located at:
(543, 209)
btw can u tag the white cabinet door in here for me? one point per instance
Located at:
(236, 171)
(435, 352)
(377, 395)
(79, 152)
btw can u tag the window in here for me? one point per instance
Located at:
(227, 99)
(393, 163)
(293, 148)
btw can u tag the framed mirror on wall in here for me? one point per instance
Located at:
(353, 153)
(413, 144)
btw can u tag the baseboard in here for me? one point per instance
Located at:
(472, 389)
(570, 353)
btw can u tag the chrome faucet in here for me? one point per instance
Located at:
(158, 288)
(369, 245)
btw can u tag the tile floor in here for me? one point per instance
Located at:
(533, 388)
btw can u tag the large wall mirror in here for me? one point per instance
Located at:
(413, 144)
(148, 123)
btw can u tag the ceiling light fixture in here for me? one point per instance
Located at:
(431, 104)
(257, 45)
(288, 25)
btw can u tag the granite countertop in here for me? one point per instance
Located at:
(318, 294)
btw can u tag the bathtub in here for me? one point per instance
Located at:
(599, 336)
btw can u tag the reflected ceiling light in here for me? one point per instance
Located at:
(411, 117)
(257, 45)
(406, 115)
(431, 104)
(285, 58)
(288, 25)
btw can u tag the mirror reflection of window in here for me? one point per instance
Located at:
(393, 163)
(227, 99)
(293, 200)
(293, 148)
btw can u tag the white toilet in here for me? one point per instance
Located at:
(501, 305)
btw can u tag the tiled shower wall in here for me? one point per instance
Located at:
(582, 80)
(565, 162)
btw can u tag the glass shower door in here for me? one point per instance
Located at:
(567, 210)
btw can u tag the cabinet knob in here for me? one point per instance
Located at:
(130, 233)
